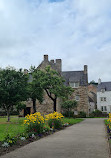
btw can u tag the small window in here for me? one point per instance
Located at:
(101, 108)
(105, 108)
(102, 90)
(77, 98)
(103, 98)
(74, 84)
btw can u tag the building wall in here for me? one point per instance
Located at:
(82, 103)
(47, 105)
(106, 103)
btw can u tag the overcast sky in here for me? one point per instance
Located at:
(77, 31)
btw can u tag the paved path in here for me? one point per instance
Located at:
(83, 140)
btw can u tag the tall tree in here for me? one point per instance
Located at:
(13, 88)
(34, 88)
(53, 84)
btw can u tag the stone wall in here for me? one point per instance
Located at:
(82, 103)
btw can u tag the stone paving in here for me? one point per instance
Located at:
(84, 140)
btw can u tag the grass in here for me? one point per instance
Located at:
(15, 126)
(72, 121)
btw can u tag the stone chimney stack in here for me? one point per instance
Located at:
(59, 65)
(99, 81)
(52, 61)
(45, 57)
(85, 69)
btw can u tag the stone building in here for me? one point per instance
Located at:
(92, 95)
(76, 79)
(79, 81)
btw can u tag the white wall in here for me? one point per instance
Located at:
(106, 103)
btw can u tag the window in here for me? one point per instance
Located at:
(74, 84)
(102, 90)
(103, 99)
(103, 108)
(77, 98)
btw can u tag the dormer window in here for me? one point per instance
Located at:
(103, 90)
(74, 84)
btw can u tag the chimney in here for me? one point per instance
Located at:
(59, 65)
(99, 81)
(85, 69)
(52, 61)
(45, 57)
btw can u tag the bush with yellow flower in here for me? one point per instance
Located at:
(34, 123)
(108, 123)
(54, 120)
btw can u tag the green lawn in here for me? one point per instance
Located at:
(72, 121)
(16, 126)
(13, 128)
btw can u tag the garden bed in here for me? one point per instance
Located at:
(21, 143)
(21, 139)
(108, 131)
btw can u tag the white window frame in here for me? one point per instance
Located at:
(102, 99)
(104, 108)
(74, 84)
(77, 97)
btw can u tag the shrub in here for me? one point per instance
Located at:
(96, 113)
(10, 140)
(54, 120)
(68, 105)
(34, 123)
(67, 114)
(82, 114)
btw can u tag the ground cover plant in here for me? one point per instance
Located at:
(21, 131)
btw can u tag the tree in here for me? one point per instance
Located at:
(68, 105)
(20, 106)
(34, 89)
(13, 88)
(53, 84)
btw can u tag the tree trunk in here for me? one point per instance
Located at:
(8, 115)
(34, 105)
(55, 105)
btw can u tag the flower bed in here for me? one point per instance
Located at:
(36, 127)
(108, 127)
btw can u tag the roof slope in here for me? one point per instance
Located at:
(75, 76)
(104, 85)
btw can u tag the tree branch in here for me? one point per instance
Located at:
(49, 94)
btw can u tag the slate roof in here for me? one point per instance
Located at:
(104, 85)
(75, 76)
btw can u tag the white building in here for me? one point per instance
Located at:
(104, 96)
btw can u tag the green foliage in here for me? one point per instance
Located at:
(68, 113)
(35, 127)
(82, 114)
(10, 140)
(46, 128)
(55, 123)
(68, 105)
(20, 106)
(96, 113)
(13, 88)
(34, 88)
(53, 84)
